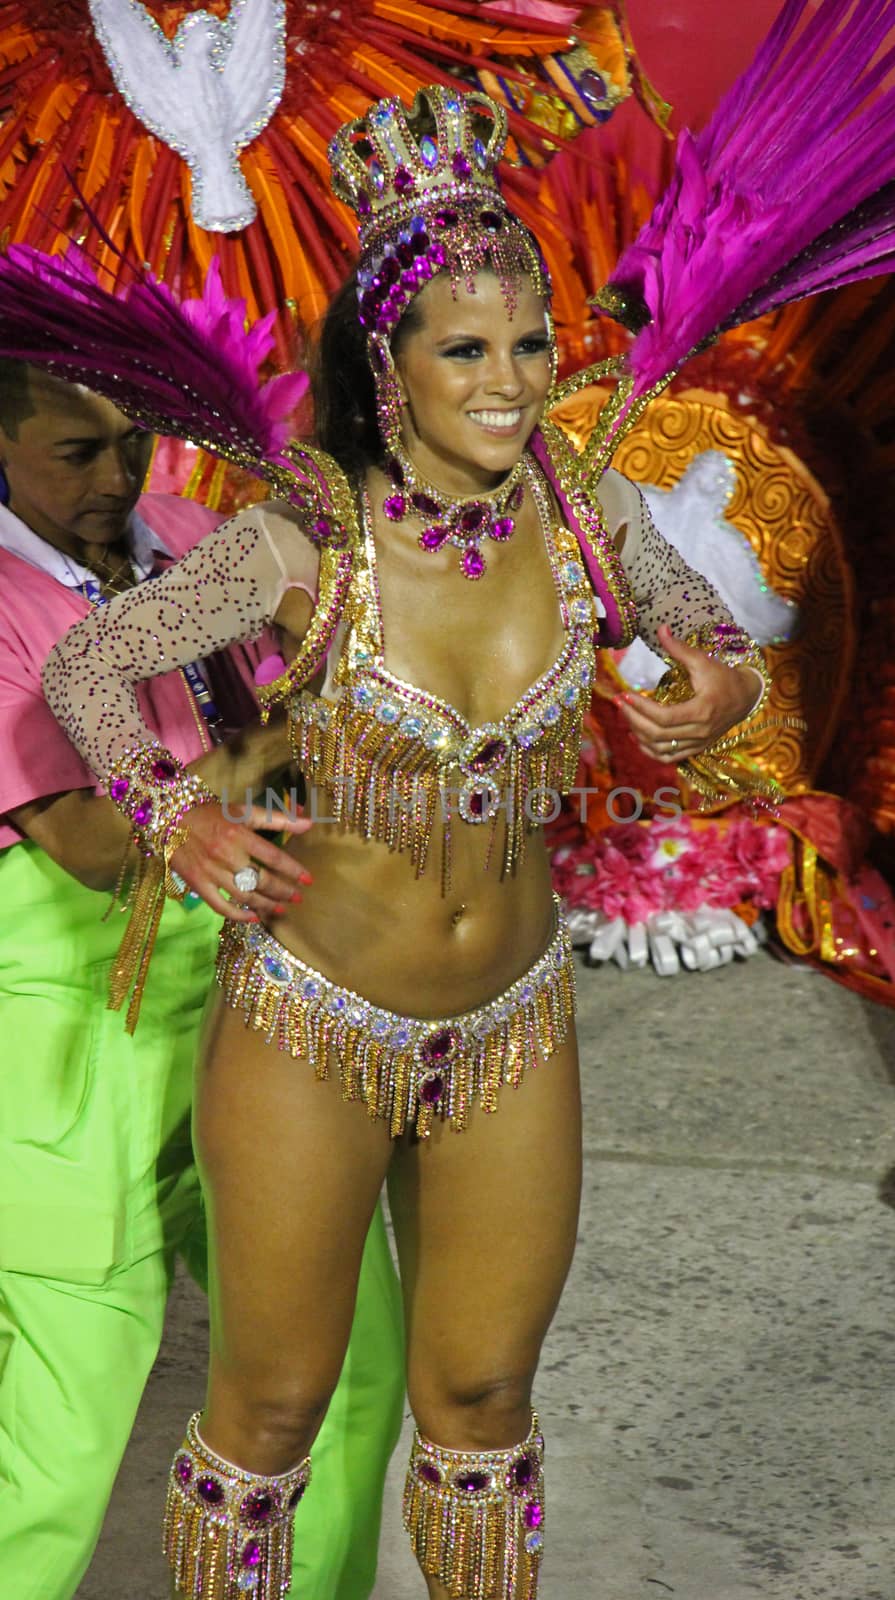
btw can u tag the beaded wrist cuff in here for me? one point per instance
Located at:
(724, 770)
(476, 1518)
(151, 787)
(227, 1532)
(724, 641)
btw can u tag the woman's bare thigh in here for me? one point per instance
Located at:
(486, 1222)
(291, 1175)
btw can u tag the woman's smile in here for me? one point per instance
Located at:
(504, 422)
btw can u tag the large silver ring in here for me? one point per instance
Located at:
(246, 880)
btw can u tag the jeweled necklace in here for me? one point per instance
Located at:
(464, 523)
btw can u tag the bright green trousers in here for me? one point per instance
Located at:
(98, 1192)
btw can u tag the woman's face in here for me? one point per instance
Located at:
(473, 379)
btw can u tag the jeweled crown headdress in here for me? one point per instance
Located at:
(424, 186)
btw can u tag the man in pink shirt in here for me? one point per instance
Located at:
(98, 1189)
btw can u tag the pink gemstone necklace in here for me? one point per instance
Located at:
(464, 523)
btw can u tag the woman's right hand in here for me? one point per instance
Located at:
(217, 848)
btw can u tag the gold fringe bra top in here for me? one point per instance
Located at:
(400, 763)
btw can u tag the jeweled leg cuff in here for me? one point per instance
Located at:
(228, 1533)
(476, 1519)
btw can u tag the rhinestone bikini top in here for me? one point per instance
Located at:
(395, 757)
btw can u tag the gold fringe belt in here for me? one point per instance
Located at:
(404, 1069)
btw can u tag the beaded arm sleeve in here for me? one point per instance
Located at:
(226, 590)
(667, 590)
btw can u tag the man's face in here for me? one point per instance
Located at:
(76, 467)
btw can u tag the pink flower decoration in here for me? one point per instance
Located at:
(625, 871)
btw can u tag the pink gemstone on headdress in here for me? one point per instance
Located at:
(502, 528)
(534, 1514)
(394, 506)
(419, 244)
(257, 1508)
(436, 255)
(473, 516)
(251, 1555)
(164, 770)
(428, 1473)
(118, 788)
(433, 538)
(364, 204)
(425, 504)
(142, 813)
(396, 296)
(403, 181)
(322, 528)
(390, 270)
(409, 279)
(473, 562)
(445, 218)
(461, 166)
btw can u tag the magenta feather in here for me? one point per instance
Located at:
(189, 368)
(789, 189)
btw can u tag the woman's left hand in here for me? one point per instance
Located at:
(722, 697)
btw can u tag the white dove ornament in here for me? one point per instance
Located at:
(207, 93)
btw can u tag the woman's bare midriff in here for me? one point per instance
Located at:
(368, 923)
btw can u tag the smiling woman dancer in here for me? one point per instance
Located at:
(441, 648)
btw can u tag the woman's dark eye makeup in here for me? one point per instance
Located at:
(470, 348)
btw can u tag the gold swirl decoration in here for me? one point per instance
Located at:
(787, 518)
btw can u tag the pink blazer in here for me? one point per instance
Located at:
(36, 758)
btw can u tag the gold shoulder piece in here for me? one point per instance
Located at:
(332, 524)
(584, 504)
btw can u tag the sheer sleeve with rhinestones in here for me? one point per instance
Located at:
(665, 588)
(225, 591)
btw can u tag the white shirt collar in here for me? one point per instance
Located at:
(20, 540)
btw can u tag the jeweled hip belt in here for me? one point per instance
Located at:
(406, 1070)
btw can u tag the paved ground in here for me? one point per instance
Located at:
(717, 1390)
